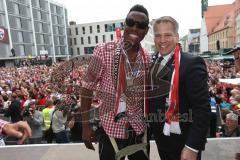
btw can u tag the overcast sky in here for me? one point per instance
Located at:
(186, 12)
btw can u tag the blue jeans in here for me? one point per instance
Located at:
(61, 137)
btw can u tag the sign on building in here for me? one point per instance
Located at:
(3, 35)
(43, 52)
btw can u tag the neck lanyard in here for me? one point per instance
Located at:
(134, 73)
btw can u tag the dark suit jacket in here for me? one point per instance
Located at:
(194, 105)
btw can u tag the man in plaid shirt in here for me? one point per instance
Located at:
(116, 74)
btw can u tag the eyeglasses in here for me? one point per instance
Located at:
(141, 25)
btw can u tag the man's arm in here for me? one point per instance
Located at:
(91, 78)
(88, 133)
(20, 130)
(198, 98)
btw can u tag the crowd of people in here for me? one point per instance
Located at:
(28, 93)
(224, 99)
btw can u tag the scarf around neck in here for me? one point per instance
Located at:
(172, 115)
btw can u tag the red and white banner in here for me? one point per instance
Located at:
(118, 33)
(3, 35)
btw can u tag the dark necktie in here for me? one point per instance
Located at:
(154, 69)
(156, 65)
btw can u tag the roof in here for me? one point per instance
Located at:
(226, 21)
(214, 14)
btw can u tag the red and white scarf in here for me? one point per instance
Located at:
(172, 115)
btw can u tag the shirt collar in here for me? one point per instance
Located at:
(167, 57)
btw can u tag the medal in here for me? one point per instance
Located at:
(129, 81)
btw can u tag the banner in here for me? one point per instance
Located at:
(4, 35)
(235, 81)
(118, 31)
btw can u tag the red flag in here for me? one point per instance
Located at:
(118, 33)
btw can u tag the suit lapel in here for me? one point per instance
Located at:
(162, 80)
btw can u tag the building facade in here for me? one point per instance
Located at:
(238, 30)
(216, 20)
(237, 23)
(221, 39)
(184, 43)
(84, 37)
(222, 35)
(203, 37)
(194, 41)
(34, 27)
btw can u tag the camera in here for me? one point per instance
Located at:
(27, 112)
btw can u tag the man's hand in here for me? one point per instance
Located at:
(188, 154)
(20, 130)
(88, 136)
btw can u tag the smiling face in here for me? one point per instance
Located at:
(135, 28)
(165, 37)
(232, 124)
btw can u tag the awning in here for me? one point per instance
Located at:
(222, 57)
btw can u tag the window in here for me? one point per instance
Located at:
(109, 27)
(90, 28)
(75, 41)
(122, 25)
(2, 20)
(96, 39)
(98, 28)
(76, 30)
(89, 40)
(111, 36)
(104, 39)
(40, 27)
(70, 32)
(83, 30)
(71, 51)
(1, 6)
(20, 36)
(70, 41)
(78, 51)
(46, 39)
(113, 26)
(82, 41)
(88, 50)
(106, 27)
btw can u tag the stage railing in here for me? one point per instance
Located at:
(216, 149)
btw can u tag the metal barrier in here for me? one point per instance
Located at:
(216, 149)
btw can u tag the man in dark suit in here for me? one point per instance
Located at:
(178, 101)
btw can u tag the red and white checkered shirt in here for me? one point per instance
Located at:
(99, 78)
(2, 124)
